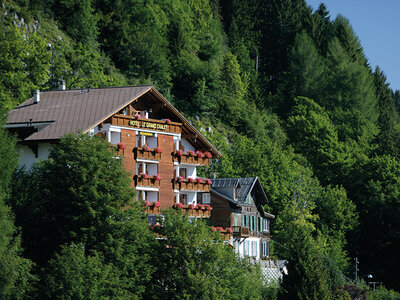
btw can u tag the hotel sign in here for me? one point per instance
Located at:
(147, 125)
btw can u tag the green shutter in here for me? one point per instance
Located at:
(235, 219)
(261, 224)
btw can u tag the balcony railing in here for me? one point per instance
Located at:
(142, 153)
(194, 211)
(226, 233)
(192, 159)
(152, 210)
(186, 184)
(150, 181)
(148, 124)
(241, 231)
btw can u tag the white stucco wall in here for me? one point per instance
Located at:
(27, 157)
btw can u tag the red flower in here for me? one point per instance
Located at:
(191, 206)
(168, 121)
(191, 153)
(158, 149)
(146, 203)
(199, 180)
(144, 175)
(157, 177)
(200, 154)
(208, 154)
(208, 207)
(180, 152)
(146, 148)
(192, 180)
(214, 228)
(208, 181)
(121, 146)
(178, 205)
(156, 204)
(180, 179)
(229, 230)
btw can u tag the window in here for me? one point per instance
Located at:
(183, 172)
(183, 199)
(235, 219)
(265, 224)
(265, 249)
(203, 198)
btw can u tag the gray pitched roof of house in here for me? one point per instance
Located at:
(73, 110)
(245, 186)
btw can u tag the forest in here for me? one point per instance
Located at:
(290, 97)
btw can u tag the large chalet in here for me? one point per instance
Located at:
(161, 148)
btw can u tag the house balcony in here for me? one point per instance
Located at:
(198, 211)
(191, 158)
(226, 233)
(265, 234)
(150, 181)
(146, 124)
(240, 231)
(190, 185)
(152, 210)
(146, 153)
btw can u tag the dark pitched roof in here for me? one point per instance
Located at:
(245, 185)
(73, 110)
(61, 112)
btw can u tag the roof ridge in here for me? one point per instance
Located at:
(98, 88)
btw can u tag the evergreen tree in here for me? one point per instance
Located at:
(388, 137)
(15, 277)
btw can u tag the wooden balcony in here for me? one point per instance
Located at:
(225, 233)
(191, 186)
(265, 234)
(151, 154)
(148, 124)
(195, 212)
(147, 182)
(239, 231)
(186, 158)
(152, 210)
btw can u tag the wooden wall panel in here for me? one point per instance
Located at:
(221, 212)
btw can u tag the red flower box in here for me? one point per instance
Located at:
(178, 205)
(157, 177)
(158, 149)
(121, 146)
(144, 175)
(200, 154)
(208, 154)
(156, 204)
(180, 152)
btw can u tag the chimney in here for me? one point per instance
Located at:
(62, 85)
(36, 96)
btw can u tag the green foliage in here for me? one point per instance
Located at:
(71, 196)
(23, 67)
(192, 263)
(307, 278)
(15, 277)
